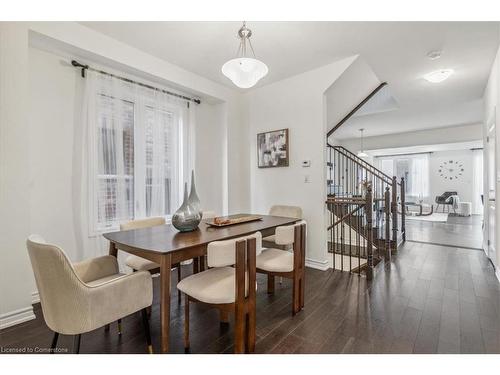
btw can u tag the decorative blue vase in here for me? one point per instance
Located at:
(188, 216)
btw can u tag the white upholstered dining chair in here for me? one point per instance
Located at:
(287, 264)
(140, 264)
(285, 211)
(227, 288)
(81, 297)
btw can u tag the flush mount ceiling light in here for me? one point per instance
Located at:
(438, 75)
(361, 153)
(244, 71)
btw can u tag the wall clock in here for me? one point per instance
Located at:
(451, 170)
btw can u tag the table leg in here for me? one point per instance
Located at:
(196, 267)
(114, 252)
(112, 249)
(165, 268)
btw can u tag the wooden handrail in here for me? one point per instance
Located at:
(345, 217)
(363, 164)
(349, 115)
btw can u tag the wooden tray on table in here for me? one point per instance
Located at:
(224, 221)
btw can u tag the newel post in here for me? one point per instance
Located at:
(394, 209)
(387, 209)
(369, 232)
(403, 223)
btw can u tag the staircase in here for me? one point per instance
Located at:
(366, 219)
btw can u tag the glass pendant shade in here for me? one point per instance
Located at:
(244, 72)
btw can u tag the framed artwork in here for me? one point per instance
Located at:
(273, 149)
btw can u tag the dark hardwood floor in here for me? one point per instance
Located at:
(430, 299)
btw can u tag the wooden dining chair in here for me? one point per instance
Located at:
(287, 264)
(227, 288)
(80, 297)
(285, 211)
(140, 264)
(200, 262)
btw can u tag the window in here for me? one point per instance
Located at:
(413, 168)
(137, 140)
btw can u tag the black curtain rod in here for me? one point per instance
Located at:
(76, 64)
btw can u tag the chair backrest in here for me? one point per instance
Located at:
(143, 223)
(285, 235)
(286, 211)
(223, 253)
(208, 215)
(58, 285)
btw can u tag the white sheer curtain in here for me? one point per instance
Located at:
(477, 181)
(413, 168)
(137, 151)
(418, 179)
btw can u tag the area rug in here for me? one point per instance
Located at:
(435, 217)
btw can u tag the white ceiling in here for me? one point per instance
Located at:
(396, 51)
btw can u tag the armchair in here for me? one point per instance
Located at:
(445, 200)
(81, 297)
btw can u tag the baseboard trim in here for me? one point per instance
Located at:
(16, 317)
(317, 264)
(35, 297)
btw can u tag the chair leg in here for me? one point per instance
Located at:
(186, 323)
(270, 284)
(224, 316)
(296, 293)
(145, 322)
(76, 344)
(179, 276)
(119, 326)
(54, 342)
(250, 330)
(239, 329)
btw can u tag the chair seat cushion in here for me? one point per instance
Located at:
(275, 260)
(140, 264)
(215, 285)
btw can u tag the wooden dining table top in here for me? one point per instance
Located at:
(166, 239)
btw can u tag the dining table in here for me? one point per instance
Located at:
(166, 246)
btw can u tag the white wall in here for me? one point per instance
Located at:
(299, 104)
(16, 279)
(355, 84)
(463, 185)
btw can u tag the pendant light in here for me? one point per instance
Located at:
(362, 153)
(244, 71)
